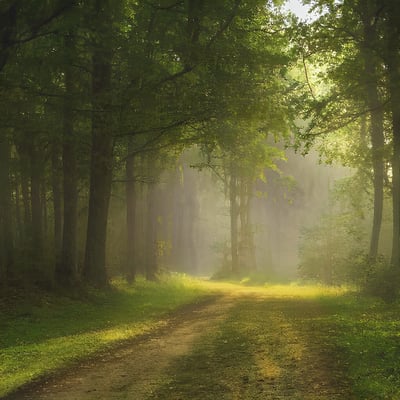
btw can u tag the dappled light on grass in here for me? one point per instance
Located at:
(267, 347)
(36, 340)
(272, 336)
(305, 291)
(282, 290)
(268, 368)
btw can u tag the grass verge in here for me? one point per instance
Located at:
(38, 339)
(367, 333)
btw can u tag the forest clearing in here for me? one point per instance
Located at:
(228, 342)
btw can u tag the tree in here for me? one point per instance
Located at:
(6, 234)
(352, 85)
(94, 271)
(66, 272)
(392, 35)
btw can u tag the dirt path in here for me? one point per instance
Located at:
(274, 358)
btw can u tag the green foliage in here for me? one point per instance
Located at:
(46, 333)
(382, 280)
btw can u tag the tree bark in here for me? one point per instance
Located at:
(376, 132)
(18, 219)
(25, 183)
(36, 207)
(234, 213)
(151, 234)
(94, 272)
(66, 268)
(393, 65)
(247, 250)
(130, 214)
(57, 196)
(6, 223)
(45, 216)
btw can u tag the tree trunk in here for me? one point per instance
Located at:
(36, 207)
(25, 183)
(18, 219)
(234, 213)
(43, 200)
(6, 234)
(393, 64)
(130, 214)
(57, 203)
(94, 271)
(151, 234)
(376, 132)
(66, 268)
(246, 248)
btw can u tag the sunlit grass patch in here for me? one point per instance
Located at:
(257, 352)
(36, 340)
(282, 290)
(306, 291)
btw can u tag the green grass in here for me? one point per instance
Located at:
(359, 335)
(50, 333)
(253, 354)
(367, 332)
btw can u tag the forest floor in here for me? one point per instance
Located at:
(246, 344)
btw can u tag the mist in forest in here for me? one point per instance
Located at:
(193, 215)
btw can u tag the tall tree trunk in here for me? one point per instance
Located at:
(36, 207)
(23, 154)
(94, 271)
(234, 213)
(18, 219)
(66, 267)
(178, 218)
(190, 208)
(246, 248)
(57, 195)
(377, 141)
(376, 131)
(130, 214)
(43, 200)
(6, 234)
(243, 245)
(393, 64)
(395, 260)
(151, 233)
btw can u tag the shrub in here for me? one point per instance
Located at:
(382, 280)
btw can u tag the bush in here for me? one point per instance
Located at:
(382, 280)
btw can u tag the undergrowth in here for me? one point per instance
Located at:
(368, 338)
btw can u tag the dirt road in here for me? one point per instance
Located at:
(241, 346)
